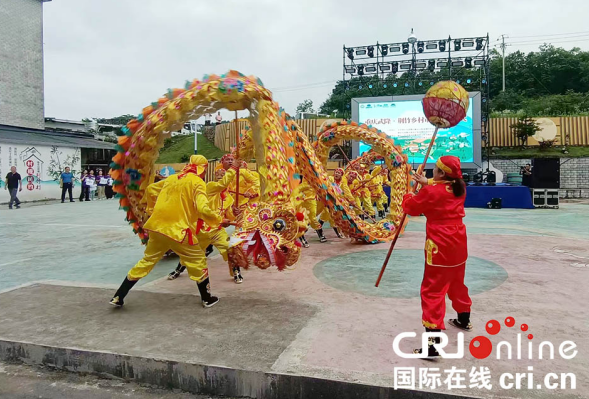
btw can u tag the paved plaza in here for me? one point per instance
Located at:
(323, 319)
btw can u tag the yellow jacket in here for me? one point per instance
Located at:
(249, 182)
(375, 185)
(343, 184)
(177, 205)
(304, 192)
(220, 199)
(355, 186)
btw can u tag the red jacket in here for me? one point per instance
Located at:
(445, 243)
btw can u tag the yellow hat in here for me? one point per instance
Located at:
(200, 162)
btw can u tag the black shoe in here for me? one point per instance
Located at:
(62, 201)
(209, 250)
(237, 277)
(18, 206)
(462, 322)
(321, 236)
(303, 241)
(176, 273)
(432, 353)
(204, 287)
(72, 201)
(337, 233)
(118, 299)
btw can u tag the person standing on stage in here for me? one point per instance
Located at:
(442, 203)
(526, 173)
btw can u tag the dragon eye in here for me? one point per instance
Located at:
(279, 225)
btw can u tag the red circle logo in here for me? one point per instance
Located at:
(480, 347)
(30, 163)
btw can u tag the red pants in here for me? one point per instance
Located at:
(437, 282)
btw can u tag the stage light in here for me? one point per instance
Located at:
(468, 81)
(431, 83)
(405, 66)
(479, 62)
(420, 83)
(406, 84)
(468, 43)
(431, 46)
(350, 69)
(360, 70)
(442, 64)
(457, 63)
(484, 100)
(457, 45)
(479, 43)
(458, 81)
(484, 81)
(405, 48)
(420, 65)
(370, 86)
(394, 84)
(442, 45)
(384, 67)
(347, 105)
(371, 51)
(431, 65)
(350, 53)
(394, 49)
(395, 67)
(361, 51)
(360, 87)
(420, 47)
(468, 62)
(384, 49)
(370, 68)
(384, 86)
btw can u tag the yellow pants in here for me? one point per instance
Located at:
(219, 239)
(366, 204)
(311, 207)
(379, 203)
(191, 256)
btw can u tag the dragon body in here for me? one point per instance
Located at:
(267, 230)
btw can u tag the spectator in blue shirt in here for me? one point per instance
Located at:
(66, 181)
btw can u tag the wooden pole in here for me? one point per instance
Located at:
(237, 159)
(400, 227)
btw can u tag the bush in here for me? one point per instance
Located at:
(185, 158)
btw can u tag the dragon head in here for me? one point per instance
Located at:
(267, 237)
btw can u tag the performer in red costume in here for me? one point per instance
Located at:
(441, 200)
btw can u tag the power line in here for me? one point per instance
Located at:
(549, 35)
(547, 42)
(304, 86)
(556, 38)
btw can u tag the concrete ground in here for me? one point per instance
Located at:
(324, 318)
(25, 382)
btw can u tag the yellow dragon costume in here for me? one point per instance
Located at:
(268, 228)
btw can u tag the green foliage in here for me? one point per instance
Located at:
(117, 120)
(181, 147)
(525, 127)
(536, 152)
(306, 106)
(57, 165)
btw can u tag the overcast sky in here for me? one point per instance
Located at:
(104, 58)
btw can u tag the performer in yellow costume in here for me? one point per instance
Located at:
(385, 182)
(360, 191)
(305, 197)
(177, 205)
(376, 191)
(220, 200)
(249, 182)
(341, 181)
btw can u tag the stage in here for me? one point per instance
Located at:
(511, 196)
(478, 196)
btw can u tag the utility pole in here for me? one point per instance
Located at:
(503, 45)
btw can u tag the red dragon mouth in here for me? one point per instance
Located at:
(263, 252)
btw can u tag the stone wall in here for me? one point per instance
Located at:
(21, 65)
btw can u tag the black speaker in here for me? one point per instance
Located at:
(495, 203)
(466, 177)
(491, 177)
(546, 173)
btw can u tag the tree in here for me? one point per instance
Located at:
(524, 127)
(306, 106)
